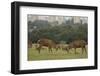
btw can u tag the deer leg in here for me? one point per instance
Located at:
(50, 49)
(67, 50)
(56, 48)
(39, 49)
(82, 50)
(85, 50)
(75, 51)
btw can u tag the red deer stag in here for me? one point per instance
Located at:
(46, 42)
(77, 44)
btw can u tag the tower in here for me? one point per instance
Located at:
(76, 19)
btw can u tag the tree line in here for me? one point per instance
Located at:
(63, 33)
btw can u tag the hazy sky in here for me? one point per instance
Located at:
(57, 18)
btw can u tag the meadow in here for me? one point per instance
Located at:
(33, 54)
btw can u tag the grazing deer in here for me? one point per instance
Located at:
(77, 44)
(46, 42)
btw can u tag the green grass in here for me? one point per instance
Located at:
(54, 55)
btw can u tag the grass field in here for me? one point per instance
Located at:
(54, 55)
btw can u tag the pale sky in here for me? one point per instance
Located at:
(55, 18)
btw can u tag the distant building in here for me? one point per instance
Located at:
(76, 19)
(32, 18)
(84, 20)
(69, 20)
(59, 19)
(43, 17)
